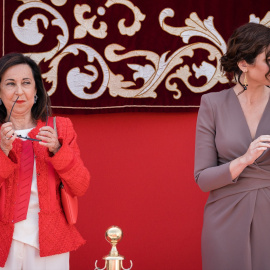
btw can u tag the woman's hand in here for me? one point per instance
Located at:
(7, 137)
(48, 137)
(256, 148)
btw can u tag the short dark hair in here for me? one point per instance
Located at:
(246, 43)
(39, 109)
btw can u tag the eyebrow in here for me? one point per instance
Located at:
(14, 80)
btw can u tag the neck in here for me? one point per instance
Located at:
(22, 122)
(253, 93)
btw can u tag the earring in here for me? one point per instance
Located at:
(245, 85)
(1, 102)
(35, 98)
(245, 81)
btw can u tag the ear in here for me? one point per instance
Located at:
(243, 65)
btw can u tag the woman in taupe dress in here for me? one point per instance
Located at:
(232, 157)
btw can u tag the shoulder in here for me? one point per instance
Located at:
(217, 100)
(218, 96)
(215, 103)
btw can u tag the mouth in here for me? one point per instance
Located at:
(20, 101)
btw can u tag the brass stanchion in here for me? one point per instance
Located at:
(114, 261)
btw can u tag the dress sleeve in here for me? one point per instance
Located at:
(67, 161)
(208, 174)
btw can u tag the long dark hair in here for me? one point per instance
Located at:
(246, 43)
(42, 108)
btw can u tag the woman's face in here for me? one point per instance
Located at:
(256, 72)
(18, 81)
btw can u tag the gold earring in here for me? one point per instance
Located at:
(245, 81)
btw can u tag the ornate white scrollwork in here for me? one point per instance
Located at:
(76, 80)
(161, 66)
(87, 25)
(194, 27)
(153, 69)
(59, 3)
(138, 17)
(264, 21)
(29, 32)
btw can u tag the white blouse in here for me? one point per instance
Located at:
(26, 231)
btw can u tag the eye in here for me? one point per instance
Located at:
(11, 83)
(26, 83)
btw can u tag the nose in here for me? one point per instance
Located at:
(19, 90)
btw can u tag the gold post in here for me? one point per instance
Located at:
(114, 261)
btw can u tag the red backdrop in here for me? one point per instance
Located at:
(141, 163)
(142, 181)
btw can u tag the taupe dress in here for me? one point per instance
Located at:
(236, 227)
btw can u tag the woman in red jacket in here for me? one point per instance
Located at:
(34, 233)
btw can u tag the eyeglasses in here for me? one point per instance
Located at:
(20, 136)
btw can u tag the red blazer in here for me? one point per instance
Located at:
(55, 234)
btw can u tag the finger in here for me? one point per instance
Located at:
(6, 125)
(46, 133)
(262, 144)
(261, 149)
(48, 137)
(43, 138)
(47, 128)
(9, 134)
(6, 129)
(263, 138)
(43, 143)
(9, 140)
(12, 138)
(46, 144)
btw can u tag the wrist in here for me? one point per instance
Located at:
(243, 162)
(56, 149)
(6, 152)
